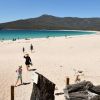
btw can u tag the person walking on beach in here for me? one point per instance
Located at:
(19, 72)
(28, 61)
(23, 49)
(31, 47)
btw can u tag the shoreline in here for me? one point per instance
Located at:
(16, 39)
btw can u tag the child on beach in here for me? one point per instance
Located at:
(19, 72)
(79, 74)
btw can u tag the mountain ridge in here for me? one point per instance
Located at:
(54, 23)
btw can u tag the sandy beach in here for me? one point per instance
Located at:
(55, 58)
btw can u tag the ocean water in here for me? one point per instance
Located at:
(25, 34)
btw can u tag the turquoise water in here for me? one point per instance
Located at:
(24, 34)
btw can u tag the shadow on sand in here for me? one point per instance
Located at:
(32, 69)
(60, 93)
(24, 83)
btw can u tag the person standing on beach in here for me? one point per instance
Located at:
(31, 47)
(23, 49)
(19, 72)
(28, 61)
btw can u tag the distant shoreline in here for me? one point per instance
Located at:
(50, 30)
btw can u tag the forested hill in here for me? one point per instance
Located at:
(54, 23)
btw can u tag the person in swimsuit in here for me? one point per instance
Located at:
(28, 61)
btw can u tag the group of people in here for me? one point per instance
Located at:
(28, 62)
(31, 48)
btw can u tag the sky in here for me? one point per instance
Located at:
(11, 10)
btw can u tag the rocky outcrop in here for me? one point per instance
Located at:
(83, 91)
(43, 90)
(97, 97)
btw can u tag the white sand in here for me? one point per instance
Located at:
(55, 58)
